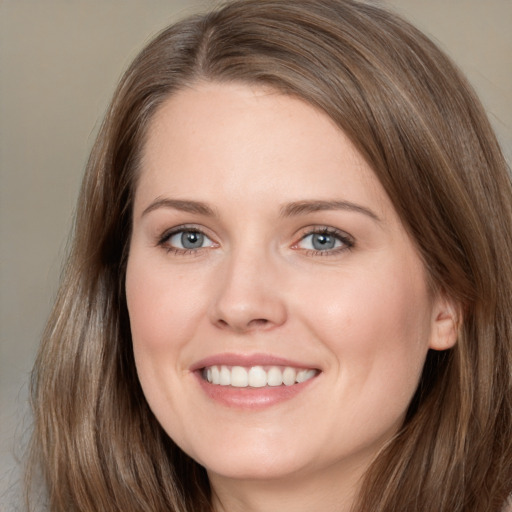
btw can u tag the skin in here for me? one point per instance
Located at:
(361, 313)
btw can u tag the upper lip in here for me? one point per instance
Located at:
(248, 360)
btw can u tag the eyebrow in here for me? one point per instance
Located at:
(305, 207)
(183, 205)
(293, 209)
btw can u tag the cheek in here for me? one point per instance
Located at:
(377, 325)
(164, 308)
(164, 315)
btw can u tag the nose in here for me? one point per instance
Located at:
(250, 294)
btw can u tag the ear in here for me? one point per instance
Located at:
(446, 320)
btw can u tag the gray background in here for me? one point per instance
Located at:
(59, 63)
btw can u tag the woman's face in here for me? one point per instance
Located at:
(264, 249)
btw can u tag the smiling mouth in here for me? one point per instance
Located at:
(256, 376)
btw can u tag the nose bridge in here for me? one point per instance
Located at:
(248, 295)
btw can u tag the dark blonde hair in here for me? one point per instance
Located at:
(417, 122)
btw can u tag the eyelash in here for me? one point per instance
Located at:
(346, 240)
(165, 237)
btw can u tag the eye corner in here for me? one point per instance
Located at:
(186, 240)
(324, 241)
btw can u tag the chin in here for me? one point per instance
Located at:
(258, 463)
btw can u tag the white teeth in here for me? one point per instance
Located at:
(239, 377)
(256, 376)
(289, 375)
(274, 377)
(225, 376)
(305, 375)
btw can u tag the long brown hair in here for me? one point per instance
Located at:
(419, 125)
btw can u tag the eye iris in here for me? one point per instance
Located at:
(192, 239)
(322, 241)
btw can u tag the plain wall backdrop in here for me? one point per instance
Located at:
(59, 63)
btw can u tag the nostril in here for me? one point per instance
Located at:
(258, 322)
(254, 324)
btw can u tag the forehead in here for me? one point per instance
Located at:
(238, 139)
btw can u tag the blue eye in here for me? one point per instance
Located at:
(187, 240)
(325, 241)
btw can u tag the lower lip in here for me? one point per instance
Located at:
(251, 398)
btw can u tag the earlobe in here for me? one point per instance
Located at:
(446, 320)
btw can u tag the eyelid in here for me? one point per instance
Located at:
(164, 238)
(346, 240)
(166, 234)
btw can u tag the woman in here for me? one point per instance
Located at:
(290, 285)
